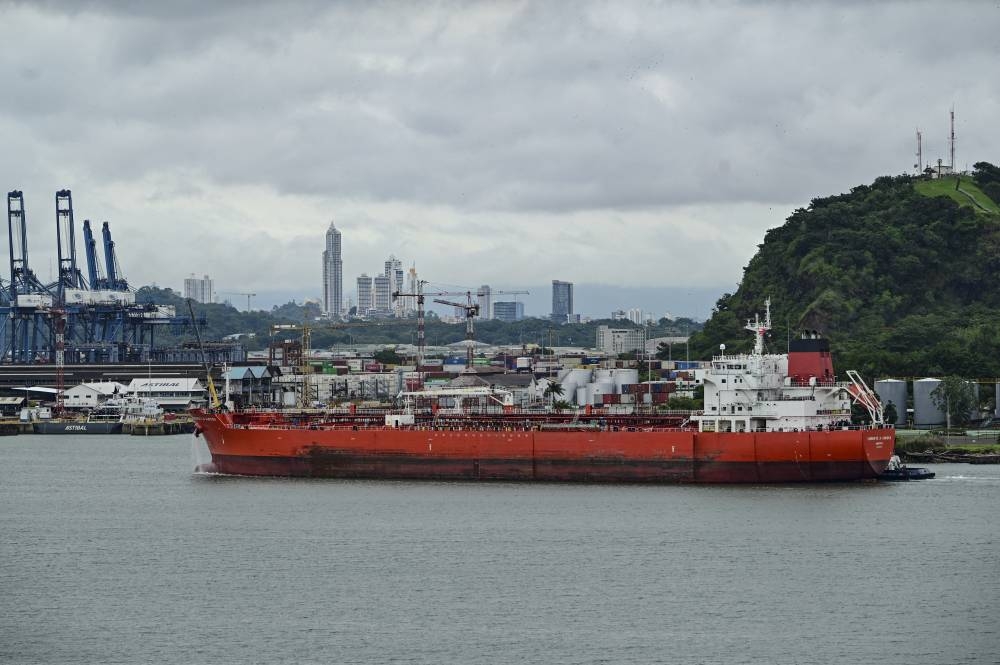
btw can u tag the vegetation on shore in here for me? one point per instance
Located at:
(900, 279)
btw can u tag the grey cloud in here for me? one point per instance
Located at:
(483, 108)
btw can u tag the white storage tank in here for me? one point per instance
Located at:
(926, 413)
(602, 388)
(893, 390)
(974, 413)
(581, 396)
(624, 377)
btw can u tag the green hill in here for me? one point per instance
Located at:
(902, 275)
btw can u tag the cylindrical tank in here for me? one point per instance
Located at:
(894, 391)
(581, 396)
(974, 411)
(624, 377)
(604, 375)
(573, 379)
(926, 413)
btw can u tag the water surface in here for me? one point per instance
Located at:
(113, 551)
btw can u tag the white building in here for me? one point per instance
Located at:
(199, 290)
(635, 316)
(364, 294)
(620, 340)
(333, 274)
(89, 395)
(171, 393)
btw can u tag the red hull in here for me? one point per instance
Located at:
(650, 455)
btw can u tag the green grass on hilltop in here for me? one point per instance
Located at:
(946, 187)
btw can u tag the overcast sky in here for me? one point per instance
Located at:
(632, 145)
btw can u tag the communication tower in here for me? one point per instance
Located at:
(951, 140)
(919, 166)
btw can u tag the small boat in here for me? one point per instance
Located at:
(896, 470)
(108, 418)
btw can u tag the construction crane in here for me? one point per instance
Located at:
(421, 321)
(236, 293)
(471, 312)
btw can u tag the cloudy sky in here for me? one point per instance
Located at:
(639, 150)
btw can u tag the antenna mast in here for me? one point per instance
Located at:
(920, 153)
(951, 139)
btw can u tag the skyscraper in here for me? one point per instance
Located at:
(364, 295)
(394, 273)
(485, 296)
(333, 274)
(562, 301)
(381, 294)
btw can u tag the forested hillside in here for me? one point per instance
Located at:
(903, 283)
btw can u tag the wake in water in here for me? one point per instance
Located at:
(201, 458)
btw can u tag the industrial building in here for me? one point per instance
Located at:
(508, 310)
(620, 340)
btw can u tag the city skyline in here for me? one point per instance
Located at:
(627, 145)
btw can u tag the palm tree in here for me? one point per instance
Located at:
(552, 390)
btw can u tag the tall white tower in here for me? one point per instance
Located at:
(333, 274)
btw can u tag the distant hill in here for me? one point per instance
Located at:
(902, 275)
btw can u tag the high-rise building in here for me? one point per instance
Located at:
(199, 290)
(333, 274)
(394, 273)
(562, 301)
(510, 310)
(485, 296)
(364, 295)
(381, 295)
(635, 316)
(412, 286)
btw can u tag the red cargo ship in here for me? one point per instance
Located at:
(768, 418)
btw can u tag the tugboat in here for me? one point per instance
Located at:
(896, 470)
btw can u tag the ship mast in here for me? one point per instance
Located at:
(759, 328)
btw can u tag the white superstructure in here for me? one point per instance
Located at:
(769, 392)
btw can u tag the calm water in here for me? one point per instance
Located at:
(112, 551)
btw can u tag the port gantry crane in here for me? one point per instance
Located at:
(78, 316)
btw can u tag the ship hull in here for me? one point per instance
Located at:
(56, 427)
(642, 456)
